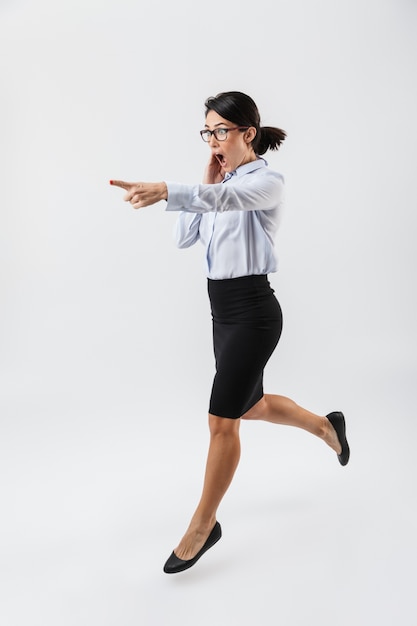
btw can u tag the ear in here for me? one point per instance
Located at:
(250, 134)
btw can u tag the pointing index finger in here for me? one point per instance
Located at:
(122, 184)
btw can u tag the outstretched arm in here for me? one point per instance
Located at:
(142, 194)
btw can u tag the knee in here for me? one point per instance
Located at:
(223, 426)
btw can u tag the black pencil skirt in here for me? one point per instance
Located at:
(247, 325)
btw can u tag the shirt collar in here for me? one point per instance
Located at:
(249, 167)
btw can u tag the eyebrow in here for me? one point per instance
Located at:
(216, 125)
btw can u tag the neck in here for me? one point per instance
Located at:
(249, 158)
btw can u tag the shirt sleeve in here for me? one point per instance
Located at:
(186, 231)
(261, 194)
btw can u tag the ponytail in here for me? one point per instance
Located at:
(269, 138)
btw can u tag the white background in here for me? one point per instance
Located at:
(106, 362)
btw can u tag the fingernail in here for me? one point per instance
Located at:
(111, 182)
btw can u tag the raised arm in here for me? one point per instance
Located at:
(214, 172)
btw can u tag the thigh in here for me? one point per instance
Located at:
(241, 355)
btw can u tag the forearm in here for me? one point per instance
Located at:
(218, 198)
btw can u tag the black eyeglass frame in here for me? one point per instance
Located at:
(210, 133)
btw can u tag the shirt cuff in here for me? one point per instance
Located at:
(180, 196)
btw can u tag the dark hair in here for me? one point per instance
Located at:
(240, 109)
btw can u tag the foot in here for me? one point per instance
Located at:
(330, 437)
(337, 420)
(174, 564)
(193, 540)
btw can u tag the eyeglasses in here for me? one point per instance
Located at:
(219, 133)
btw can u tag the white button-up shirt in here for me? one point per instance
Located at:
(235, 220)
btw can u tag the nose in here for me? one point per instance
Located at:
(213, 141)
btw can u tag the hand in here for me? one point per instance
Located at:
(214, 172)
(142, 194)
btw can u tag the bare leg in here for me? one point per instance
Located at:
(222, 461)
(282, 410)
(223, 458)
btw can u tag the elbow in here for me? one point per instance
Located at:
(184, 242)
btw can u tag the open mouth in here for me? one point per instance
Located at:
(220, 158)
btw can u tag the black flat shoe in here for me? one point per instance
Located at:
(337, 420)
(174, 564)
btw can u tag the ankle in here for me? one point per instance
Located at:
(324, 428)
(202, 524)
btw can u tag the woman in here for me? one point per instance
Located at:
(235, 215)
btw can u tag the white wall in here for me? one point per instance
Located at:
(97, 90)
(100, 315)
